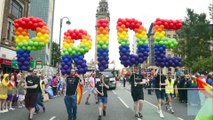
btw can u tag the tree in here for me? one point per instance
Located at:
(194, 37)
(55, 54)
(203, 64)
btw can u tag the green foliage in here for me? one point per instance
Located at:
(193, 38)
(55, 54)
(203, 64)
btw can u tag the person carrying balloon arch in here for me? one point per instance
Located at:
(137, 82)
(70, 98)
(101, 89)
(32, 86)
(169, 92)
(160, 83)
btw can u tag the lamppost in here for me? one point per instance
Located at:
(61, 23)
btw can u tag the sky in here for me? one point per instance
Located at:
(82, 14)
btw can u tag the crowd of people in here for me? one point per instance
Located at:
(28, 90)
(19, 90)
(178, 85)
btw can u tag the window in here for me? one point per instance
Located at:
(16, 9)
(10, 27)
(169, 36)
(175, 36)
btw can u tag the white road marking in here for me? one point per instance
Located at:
(114, 92)
(52, 118)
(180, 118)
(123, 102)
(151, 104)
(155, 106)
(84, 92)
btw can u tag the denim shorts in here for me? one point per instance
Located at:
(102, 100)
(160, 94)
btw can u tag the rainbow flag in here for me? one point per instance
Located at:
(79, 93)
(205, 88)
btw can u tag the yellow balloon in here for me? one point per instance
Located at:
(39, 34)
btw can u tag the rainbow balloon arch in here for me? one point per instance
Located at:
(25, 44)
(72, 54)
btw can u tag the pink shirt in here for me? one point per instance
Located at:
(91, 82)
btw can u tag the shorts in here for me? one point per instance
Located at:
(30, 101)
(9, 98)
(15, 98)
(137, 94)
(91, 90)
(21, 97)
(160, 94)
(102, 100)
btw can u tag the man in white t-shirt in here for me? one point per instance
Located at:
(91, 88)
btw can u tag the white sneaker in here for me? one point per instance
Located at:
(1, 111)
(19, 107)
(158, 111)
(172, 111)
(12, 109)
(5, 110)
(161, 114)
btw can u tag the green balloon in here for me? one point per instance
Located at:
(73, 52)
(29, 48)
(101, 42)
(35, 43)
(30, 43)
(86, 50)
(123, 43)
(17, 48)
(20, 44)
(62, 53)
(105, 46)
(70, 49)
(161, 42)
(98, 46)
(26, 44)
(23, 47)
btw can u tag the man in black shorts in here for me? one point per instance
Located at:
(137, 82)
(32, 82)
(160, 84)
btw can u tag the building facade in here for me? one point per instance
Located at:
(45, 12)
(102, 13)
(9, 11)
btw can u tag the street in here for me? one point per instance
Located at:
(120, 106)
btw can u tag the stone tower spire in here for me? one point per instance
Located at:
(101, 13)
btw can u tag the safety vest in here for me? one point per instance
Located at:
(41, 85)
(170, 86)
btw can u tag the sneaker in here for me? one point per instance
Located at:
(44, 109)
(87, 103)
(96, 102)
(19, 107)
(158, 111)
(171, 110)
(6, 110)
(136, 116)
(104, 112)
(140, 115)
(99, 117)
(12, 109)
(167, 108)
(161, 114)
(1, 111)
